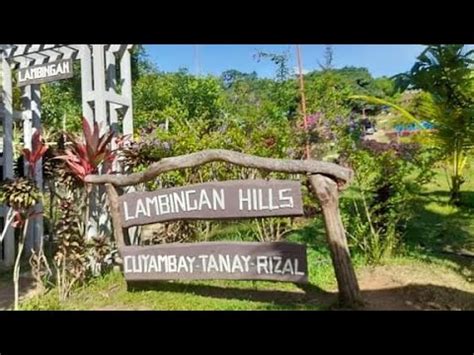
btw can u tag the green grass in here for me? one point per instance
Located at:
(438, 230)
(438, 223)
(110, 291)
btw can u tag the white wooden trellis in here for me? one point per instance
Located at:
(102, 100)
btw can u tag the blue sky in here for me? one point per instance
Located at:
(214, 59)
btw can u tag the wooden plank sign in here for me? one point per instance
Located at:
(275, 261)
(214, 200)
(44, 73)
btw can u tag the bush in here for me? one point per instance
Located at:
(387, 176)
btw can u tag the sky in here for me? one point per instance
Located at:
(381, 60)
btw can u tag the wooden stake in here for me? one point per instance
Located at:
(327, 193)
(115, 213)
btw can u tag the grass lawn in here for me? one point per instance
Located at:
(441, 231)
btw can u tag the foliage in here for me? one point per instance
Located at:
(56, 171)
(140, 63)
(240, 113)
(143, 151)
(159, 97)
(69, 259)
(22, 195)
(231, 77)
(272, 229)
(327, 93)
(85, 156)
(101, 255)
(377, 215)
(61, 105)
(280, 60)
(378, 101)
(444, 73)
(282, 94)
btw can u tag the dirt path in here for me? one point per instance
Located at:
(27, 289)
(415, 287)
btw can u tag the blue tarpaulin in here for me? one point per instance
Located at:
(414, 127)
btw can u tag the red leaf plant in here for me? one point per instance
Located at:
(35, 154)
(84, 157)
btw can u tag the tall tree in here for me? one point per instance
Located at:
(140, 62)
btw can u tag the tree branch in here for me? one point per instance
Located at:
(334, 171)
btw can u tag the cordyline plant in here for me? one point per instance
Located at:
(32, 157)
(21, 195)
(85, 155)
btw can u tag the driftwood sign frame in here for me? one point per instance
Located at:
(326, 180)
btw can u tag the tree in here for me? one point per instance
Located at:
(161, 97)
(140, 63)
(444, 73)
(283, 91)
(328, 59)
(232, 77)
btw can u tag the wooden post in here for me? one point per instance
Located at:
(115, 213)
(327, 193)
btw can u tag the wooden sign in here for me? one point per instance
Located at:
(277, 261)
(214, 200)
(44, 73)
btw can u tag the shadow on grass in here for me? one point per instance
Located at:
(418, 297)
(441, 234)
(309, 294)
(410, 297)
(441, 196)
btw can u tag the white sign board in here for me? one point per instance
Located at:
(44, 73)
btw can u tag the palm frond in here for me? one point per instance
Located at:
(378, 101)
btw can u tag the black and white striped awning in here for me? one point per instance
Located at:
(24, 55)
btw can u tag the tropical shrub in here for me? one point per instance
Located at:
(387, 176)
(69, 258)
(84, 156)
(444, 73)
(21, 195)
